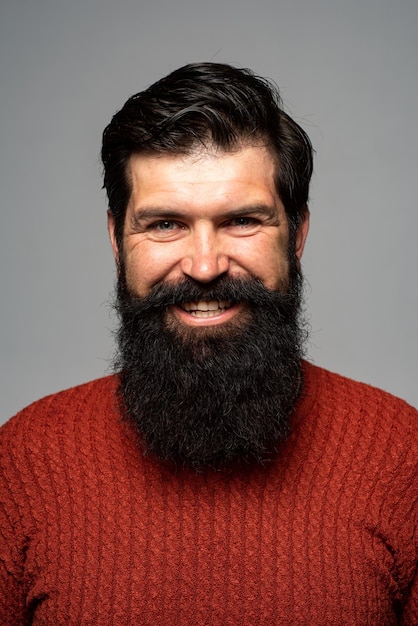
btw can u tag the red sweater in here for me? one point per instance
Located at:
(93, 533)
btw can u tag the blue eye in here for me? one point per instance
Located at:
(164, 225)
(165, 229)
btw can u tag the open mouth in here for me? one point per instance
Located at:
(204, 308)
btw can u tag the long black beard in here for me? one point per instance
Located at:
(210, 396)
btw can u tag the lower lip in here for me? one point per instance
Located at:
(191, 320)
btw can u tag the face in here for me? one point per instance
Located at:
(203, 216)
(209, 304)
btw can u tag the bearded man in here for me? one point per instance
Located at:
(217, 478)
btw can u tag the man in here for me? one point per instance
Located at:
(217, 478)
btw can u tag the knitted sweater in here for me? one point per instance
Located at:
(94, 533)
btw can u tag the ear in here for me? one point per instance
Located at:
(302, 233)
(112, 235)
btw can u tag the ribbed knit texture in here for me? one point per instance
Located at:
(93, 533)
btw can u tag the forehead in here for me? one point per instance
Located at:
(204, 175)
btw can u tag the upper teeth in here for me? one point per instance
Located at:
(202, 305)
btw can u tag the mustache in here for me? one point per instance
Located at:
(249, 290)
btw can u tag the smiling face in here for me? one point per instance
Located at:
(202, 216)
(209, 299)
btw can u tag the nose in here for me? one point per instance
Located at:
(204, 260)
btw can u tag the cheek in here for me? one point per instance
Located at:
(276, 275)
(268, 261)
(145, 267)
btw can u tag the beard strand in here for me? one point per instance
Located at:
(215, 395)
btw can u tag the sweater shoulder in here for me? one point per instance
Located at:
(359, 414)
(61, 434)
(60, 410)
(342, 393)
(367, 432)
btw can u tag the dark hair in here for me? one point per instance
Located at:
(210, 104)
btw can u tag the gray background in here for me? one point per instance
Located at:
(348, 74)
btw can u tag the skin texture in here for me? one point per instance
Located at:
(202, 216)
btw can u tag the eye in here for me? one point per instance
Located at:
(163, 225)
(165, 230)
(244, 222)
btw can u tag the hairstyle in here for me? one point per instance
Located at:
(207, 105)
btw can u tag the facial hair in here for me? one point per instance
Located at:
(214, 395)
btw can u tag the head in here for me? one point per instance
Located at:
(207, 105)
(207, 180)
